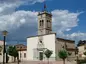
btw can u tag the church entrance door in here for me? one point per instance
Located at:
(40, 55)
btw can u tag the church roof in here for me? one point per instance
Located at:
(21, 47)
(66, 40)
(41, 13)
(41, 35)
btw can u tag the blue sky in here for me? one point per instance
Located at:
(19, 18)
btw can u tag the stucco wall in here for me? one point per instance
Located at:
(60, 44)
(1, 51)
(81, 51)
(49, 43)
(22, 58)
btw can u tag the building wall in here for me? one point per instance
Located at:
(23, 55)
(21, 58)
(1, 51)
(60, 44)
(81, 51)
(49, 43)
(47, 27)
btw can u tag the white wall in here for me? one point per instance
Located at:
(1, 56)
(22, 58)
(49, 43)
(31, 44)
(81, 51)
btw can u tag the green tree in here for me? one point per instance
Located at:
(85, 54)
(48, 53)
(12, 51)
(63, 55)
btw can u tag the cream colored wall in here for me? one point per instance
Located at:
(31, 44)
(59, 46)
(1, 56)
(11, 58)
(49, 43)
(22, 55)
(43, 28)
(81, 51)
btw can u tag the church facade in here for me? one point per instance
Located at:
(46, 39)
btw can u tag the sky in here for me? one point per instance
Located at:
(19, 18)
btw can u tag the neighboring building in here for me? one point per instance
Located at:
(46, 39)
(22, 50)
(81, 49)
(67, 45)
(1, 51)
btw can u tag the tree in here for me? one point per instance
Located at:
(12, 51)
(84, 53)
(48, 53)
(63, 55)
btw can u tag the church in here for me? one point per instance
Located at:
(46, 39)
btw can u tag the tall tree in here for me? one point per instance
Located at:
(12, 51)
(63, 55)
(48, 53)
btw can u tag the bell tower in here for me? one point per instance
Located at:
(44, 22)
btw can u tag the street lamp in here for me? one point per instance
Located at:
(4, 34)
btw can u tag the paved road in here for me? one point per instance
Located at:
(44, 62)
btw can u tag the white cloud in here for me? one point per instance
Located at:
(17, 19)
(9, 6)
(76, 36)
(64, 21)
(11, 20)
(8, 16)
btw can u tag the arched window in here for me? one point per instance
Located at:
(42, 22)
(47, 23)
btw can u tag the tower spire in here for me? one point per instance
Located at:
(45, 6)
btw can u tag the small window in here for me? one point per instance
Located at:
(85, 47)
(24, 55)
(47, 23)
(42, 22)
(20, 55)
